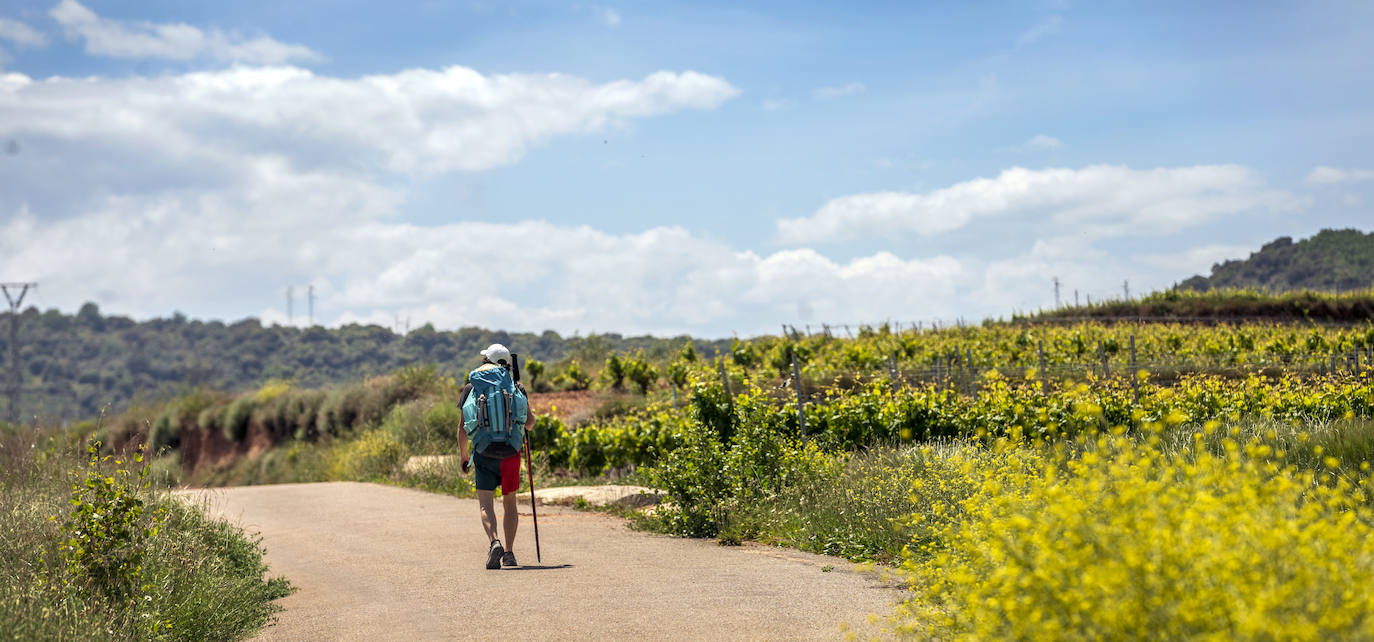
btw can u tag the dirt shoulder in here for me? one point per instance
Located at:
(377, 562)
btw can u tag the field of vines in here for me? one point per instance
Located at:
(1082, 480)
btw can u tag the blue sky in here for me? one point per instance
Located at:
(711, 168)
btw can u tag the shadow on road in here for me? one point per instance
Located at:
(536, 568)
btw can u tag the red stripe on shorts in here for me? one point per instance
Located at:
(510, 474)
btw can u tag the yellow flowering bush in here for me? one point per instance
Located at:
(1129, 539)
(376, 453)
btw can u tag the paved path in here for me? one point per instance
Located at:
(374, 562)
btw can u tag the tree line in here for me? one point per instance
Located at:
(78, 365)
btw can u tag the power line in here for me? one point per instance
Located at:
(15, 302)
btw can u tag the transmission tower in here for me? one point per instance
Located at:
(290, 318)
(1126, 288)
(15, 377)
(310, 299)
(1056, 293)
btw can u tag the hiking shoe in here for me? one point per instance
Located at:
(494, 555)
(508, 559)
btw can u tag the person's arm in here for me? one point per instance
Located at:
(529, 415)
(529, 410)
(462, 446)
(462, 431)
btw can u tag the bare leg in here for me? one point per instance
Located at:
(512, 519)
(486, 504)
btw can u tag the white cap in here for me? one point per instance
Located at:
(496, 353)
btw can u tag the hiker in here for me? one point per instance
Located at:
(496, 416)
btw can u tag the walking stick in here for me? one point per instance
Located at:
(529, 467)
(534, 511)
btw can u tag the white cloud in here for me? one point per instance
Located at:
(1025, 282)
(179, 41)
(153, 254)
(1098, 201)
(21, 34)
(210, 192)
(417, 121)
(1322, 175)
(837, 92)
(1045, 28)
(1196, 260)
(1042, 142)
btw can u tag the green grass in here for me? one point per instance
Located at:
(173, 574)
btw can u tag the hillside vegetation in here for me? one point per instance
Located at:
(75, 365)
(1331, 261)
(1227, 466)
(1224, 306)
(953, 383)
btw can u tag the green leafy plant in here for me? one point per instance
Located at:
(105, 537)
(535, 369)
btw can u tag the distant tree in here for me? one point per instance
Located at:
(535, 369)
(573, 377)
(639, 371)
(78, 363)
(89, 316)
(614, 372)
(743, 354)
(678, 372)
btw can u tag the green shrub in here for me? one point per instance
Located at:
(614, 372)
(550, 437)
(207, 577)
(410, 423)
(441, 422)
(236, 417)
(572, 378)
(587, 453)
(103, 545)
(413, 381)
(304, 410)
(693, 480)
(714, 409)
(122, 562)
(375, 454)
(642, 373)
(535, 369)
(164, 434)
(329, 419)
(211, 419)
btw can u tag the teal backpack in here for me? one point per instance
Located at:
(495, 410)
